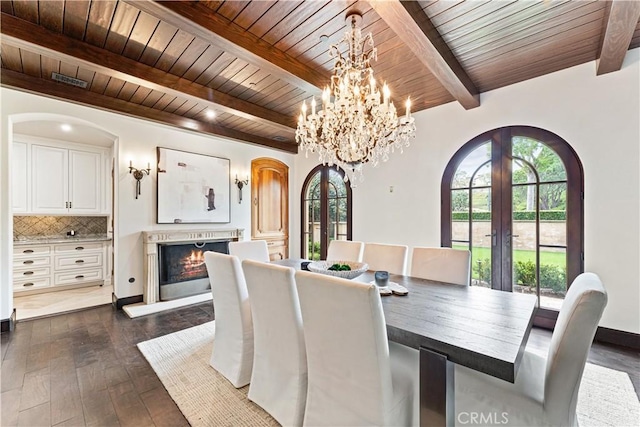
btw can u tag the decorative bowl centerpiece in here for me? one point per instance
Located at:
(343, 269)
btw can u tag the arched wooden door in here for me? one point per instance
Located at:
(270, 205)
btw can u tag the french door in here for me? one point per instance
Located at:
(513, 197)
(326, 211)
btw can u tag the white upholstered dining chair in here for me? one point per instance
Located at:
(345, 250)
(391, 258)
(545, 392)
(279, 378)
(256, 250)
(232, 353)
(442, 265)
(356, 376)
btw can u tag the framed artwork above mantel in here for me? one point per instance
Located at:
(192, 188)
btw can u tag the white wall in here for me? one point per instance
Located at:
(6, 225)
(138, 140)
(598, 115)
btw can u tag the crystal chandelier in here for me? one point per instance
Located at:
(355, 126)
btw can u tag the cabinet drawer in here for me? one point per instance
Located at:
(81, 260)
(79, 247)
(31, 273)
(79, 276)
(30, 251)
(28, 285)
(27, 263)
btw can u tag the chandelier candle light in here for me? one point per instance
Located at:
(355, 126)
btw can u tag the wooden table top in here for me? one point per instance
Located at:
(483, 329)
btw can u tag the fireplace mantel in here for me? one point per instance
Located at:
(155, 237)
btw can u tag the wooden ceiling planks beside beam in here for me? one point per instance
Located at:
(208, 25)
(413, 27)
(40, 86)
(524, 29)
(23, 34)
(618, 29)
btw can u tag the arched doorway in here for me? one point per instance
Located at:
(42, 128)
(514, 197)
(326, 211)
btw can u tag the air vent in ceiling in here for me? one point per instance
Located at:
(69, 80)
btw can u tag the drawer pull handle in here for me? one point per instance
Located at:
(28, 273)
(27, 262)
(79, 248)
(28, 284)
(80, 276)
(27, 251)
(79, 261)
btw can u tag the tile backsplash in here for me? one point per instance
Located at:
(32, 226)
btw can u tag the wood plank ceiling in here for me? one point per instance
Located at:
(252, 63)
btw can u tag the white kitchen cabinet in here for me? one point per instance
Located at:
(58, 179)
(49, 179)
(50, 267)
(19, 177)
(85, 173)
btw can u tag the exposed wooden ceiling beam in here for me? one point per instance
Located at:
(32, 37)
(16, 80)
(416, 31)
(204, 23)
(619, 24)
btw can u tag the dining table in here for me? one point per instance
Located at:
(481, 328)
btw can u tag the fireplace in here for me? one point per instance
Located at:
(163, 282)
(181, 268)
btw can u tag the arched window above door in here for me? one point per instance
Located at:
(326, 211)
(514, 197)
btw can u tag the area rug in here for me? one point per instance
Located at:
(206, 398)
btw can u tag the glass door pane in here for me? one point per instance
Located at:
(337, 198)
(553, 244)
(481, 237)
(524, 239)
(312, 218)
(471, 212)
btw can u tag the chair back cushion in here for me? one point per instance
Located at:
(256, 250)
(572, 337)
(442, 264)
(347, 352)
(345, 250)
(232, 354)
(279, 378)
(391, 258)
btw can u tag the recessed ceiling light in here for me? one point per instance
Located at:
(65, 127)
(210, 114)
(280, 138)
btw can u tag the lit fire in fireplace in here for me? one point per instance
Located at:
(195, 259)
(192, 266)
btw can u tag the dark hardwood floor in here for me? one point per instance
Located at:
(84, 368)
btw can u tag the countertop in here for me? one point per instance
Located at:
(44, 240)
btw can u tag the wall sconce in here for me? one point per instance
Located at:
(138, 174)
(240, 183)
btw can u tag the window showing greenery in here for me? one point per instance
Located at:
(513, 197)
(326, 207)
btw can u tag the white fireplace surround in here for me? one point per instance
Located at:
(151, 288)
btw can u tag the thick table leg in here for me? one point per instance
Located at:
(437, 396)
